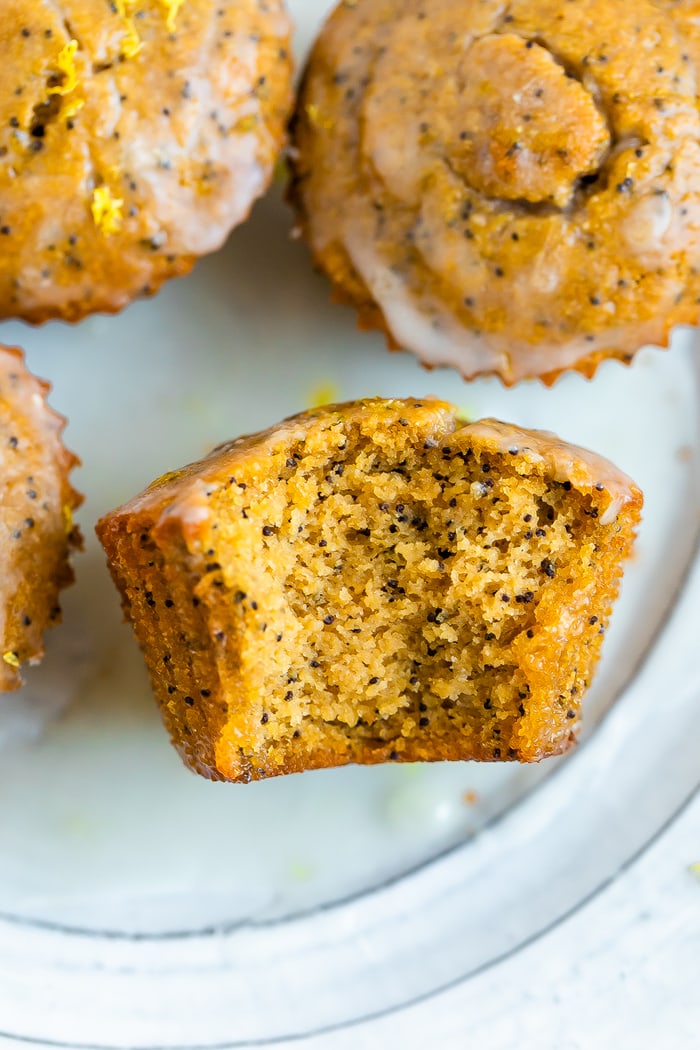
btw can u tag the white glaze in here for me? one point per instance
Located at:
(424, 326)
(583, 468)
(647, 224)
(430, 329)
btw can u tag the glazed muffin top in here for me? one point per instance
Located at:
(133, 136)
(509, 190)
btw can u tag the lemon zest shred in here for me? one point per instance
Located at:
(695, 869)
(67, 519)
(172, 8)
(72, 108)
(247, 123)
(324, 394)
(132, 42)
(106, 211)
(65, 65)
(11, 658)
(165, 479)
(301, 872)
(316, 118)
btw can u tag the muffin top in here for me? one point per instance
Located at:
(133, 135)
(506, 190)
(183, 494)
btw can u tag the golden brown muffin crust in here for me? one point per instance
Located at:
(36, 516)
(506, 188)
(134, 135)
(373, 582)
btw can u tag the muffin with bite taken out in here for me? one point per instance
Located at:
(374, 582)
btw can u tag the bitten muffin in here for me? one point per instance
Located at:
(373, 582)
(36, 516)
(509, 189)
(134, 136)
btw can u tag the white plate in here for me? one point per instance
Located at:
(141, 906)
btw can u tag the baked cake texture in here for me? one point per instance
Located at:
(36, 517)
(134, 135)
(509, 189)
(371, 582)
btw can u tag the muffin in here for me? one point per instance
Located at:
(512, 190)
(134, 135)
(36, 516)
(373, 582)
